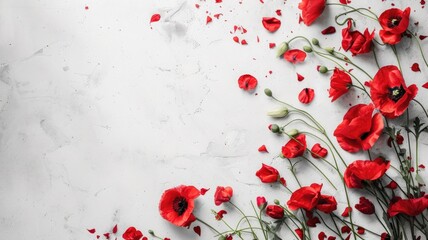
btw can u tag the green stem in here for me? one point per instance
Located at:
(209, 226)
(246, 218)
(419, 46)
(319, 170)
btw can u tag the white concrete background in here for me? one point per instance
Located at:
(100, 111)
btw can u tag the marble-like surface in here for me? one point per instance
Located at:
(100, 111)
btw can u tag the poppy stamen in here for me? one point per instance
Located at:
(179, 205)
(396, 93)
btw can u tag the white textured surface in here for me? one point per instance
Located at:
(100, 112)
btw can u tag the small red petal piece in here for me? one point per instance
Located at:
(283, 182)
(300, 19)
(271, 24)
(263, 148)
(244, 42)
(218, 1)
(197, 230)
(236, 39)
(300, 77)
(345, 1)
(262, 1)
(197, 5)
(204, 190)
(247, 82)
(155, 17)
(86, 7)
(258, 39)
(91, 230)
(425, 85)
(421, 166)
(306, 95)
(329, 30)
(345, 229)
(244, 30)
(272, 45)
(217, 15)
(422, 37)
(278, 12)
(346, 212)
(415, 67)
(209, 19)
(107, 235)
(114, 229)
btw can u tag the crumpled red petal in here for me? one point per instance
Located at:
(247, 82)
(306, 95)
(329, 30)
(271, 24)
(415, 67)
(155, 17)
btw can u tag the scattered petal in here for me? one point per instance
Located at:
(247, 82)
(114, 229)
(218, 1)
(283, 182)
(421, 166)
(295, 56)
(107, 235)
(155, 17)
(415, 67)
(300, 77)
(236, 39)
(217, 15)
(91, 230)
(271, 24)
(392, 185)
(244, 42)
(361, 230)
(219, 215)
(272, 45)
(329, 30)
(209, 19)
(263, 148)
(345, 1)
(197, 5)
(306, 95)
(197, 230)
(422, 37)
(204, 190)
(346, 212)
(345, 229)
(278, 12)
(425, 85)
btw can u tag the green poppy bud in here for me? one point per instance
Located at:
(329, 50)
(278, 113)
(315, 42)
(322, 69)
(307, 49)
(293, 132)
(283, 47)
(274, 128)
(276, 201)
(268, 92)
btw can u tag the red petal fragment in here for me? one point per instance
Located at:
(247, 82)
(197, 5)
(197, 230)
(258, 39)
(361, 230)
(345, 229)
(217, 15)
(244, 42)
(283, 182)
(346, 212)
(114, 229)
(425, 85)
(329, 30)
(271, 24)
(300, 77)
(422, 37)
(86, 7)
(263, 148)
(300, 19)
(155, 17)
(91, 230)
(306, 95)
(244, 30)
(262, 1)
(107, 235)
(218, 1)
(415, 67)
(209, 19)
(236, 39)
(295, 56)
(98, 236)
(234, 28)
(345, 1)
(421, 166)
(272, 45)
(204, 190)
(278, 12)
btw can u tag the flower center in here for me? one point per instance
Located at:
(364, 135)
(179, 205)
(394, 22)
(396, 93)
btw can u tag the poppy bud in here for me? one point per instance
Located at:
(276, 201)
(322, 69)
(283, 47)
(329, 50)
(278, 113)
(275, 211)
(222, 238)
(293, 132)
(268, 92)
(274, 128)
(151, 232)
(315, 42)
(307, 49)
(261, 202)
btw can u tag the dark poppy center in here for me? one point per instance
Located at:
(396, 93)
(364, 135)
(394, 22)
(179, 205)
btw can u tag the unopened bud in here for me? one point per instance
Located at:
(315, 42)
(274, 128)
(268, 92)
(283, 47)
(276, 201)
(329, 50)
(322, 69)
(278, 113)
(307, 49)
(293, 132)
(151, 232)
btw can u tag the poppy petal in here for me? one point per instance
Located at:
(271, 24)
(329, 30)
(295, 56)
(306, 95)
(155, 17)
(247, 82)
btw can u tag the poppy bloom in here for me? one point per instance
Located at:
(326, 204)
(133, 234)
(176, 205)
(365, 170)
(409, 207)
(295, 147)
(222, 194)
(355, 41)
(311, 10)
(268, 174)
(305, 197)
(389, 92)
(275, 211)
(394, 23)
(340, 82)
(295, 56)
(271, 24)
(365, 206)
(247, 82)
(318, 152)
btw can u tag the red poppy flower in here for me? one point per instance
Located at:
(261, 202)
(176, 205)
(295, 56)
(267, 174)
(306, 95)
(311, 10)
(355, 41)
(394, 23)
(133, 234)
(318, 152)
(340, 82)
(365, 170)
(365, 206)
(305, 197)
(247, 82)
(271, 24)
(295, 147)
(409, 207)
(389, 92)
(359, 130)
(275, 211)
(326, 204)
(222, 194)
